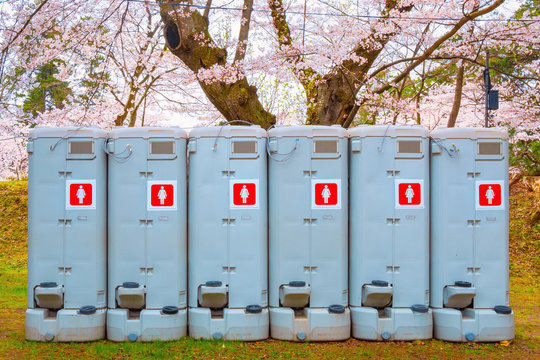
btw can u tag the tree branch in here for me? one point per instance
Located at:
(244, 31)
(305, 75)
(206, 13)
(457, 96)
(437, 43)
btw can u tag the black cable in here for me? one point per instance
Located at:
(287, 155)
(452, 152)
(118, 156)
(228, 123)
(357, 17)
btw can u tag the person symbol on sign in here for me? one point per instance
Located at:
(244, 194)
(409, 194)
(490, 194)
(326, 194)
(81, 194)
(162, 195)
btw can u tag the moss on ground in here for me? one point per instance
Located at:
(524, 298)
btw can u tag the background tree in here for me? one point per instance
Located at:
(47, 92)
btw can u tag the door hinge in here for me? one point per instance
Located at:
(229, 269)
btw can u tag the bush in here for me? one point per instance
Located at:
(526, 156)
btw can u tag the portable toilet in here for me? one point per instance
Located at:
(389, 233)
(147, 234)
(228, 233)
(469, 235)
(67, 234)
(308, 233)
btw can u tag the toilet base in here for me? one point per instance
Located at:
(315, 324)
(472, 325)
(235, 324)
(64, 325)
(149, 326)
(390, 324)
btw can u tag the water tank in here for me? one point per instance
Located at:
(147, 234)
(308, 224)
(67, 234)
(389, 233)
(228, 233)
(469, 235)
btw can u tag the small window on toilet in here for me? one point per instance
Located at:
(325, 146)
(409, 147)
(244, 147)
(81, 147)
(489, 148)
(161, 147)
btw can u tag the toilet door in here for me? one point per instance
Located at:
(329, 214)
(290, 212)
(247, 202)
(85, 165)
(166, 212)
(411, 226)
(208, 188)
(491, 230)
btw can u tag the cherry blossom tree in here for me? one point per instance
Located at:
(357, 52)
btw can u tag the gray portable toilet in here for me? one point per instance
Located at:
(147, 234)
(469, 235)
(389, 233)
(67, 234)
(228, 233)
(308, 233)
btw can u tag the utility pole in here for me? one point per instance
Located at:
(492, 96)
(487, 84)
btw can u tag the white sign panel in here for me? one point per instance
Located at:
(80, 194)
(409, 194)
(161, 195)
(489, 195)
(326, 194)
(244, 194)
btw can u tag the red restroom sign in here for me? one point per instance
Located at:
(489, 195)
(326, 194)
(244, 194)
(161, 195)
(409, 194)
(80, 194)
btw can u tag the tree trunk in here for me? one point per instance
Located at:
(333, 101)
(129, 105)
(457, 96)
(533, 184)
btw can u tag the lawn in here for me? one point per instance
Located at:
(524, 299)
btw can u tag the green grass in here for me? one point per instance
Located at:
(524, 298)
